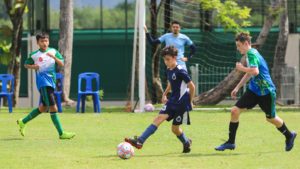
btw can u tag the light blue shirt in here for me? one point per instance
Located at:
(179, 42)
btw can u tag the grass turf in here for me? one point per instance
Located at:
(259, 144)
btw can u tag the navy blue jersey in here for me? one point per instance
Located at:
(178, 79)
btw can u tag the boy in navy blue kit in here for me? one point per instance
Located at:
(177, 107)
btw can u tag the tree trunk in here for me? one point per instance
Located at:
(279, 58)
(224, 88)
(14, 66)
(65, 44)
(157, 89)
(268, 24)
(167, 16)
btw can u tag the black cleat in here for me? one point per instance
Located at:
(134, 142)
(187, 146)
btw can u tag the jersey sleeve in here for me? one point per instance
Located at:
(253, 60)
(184, 76)
(188, 41)
(29, 60)
(162, 38)
(58, 55)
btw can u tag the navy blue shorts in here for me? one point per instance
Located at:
(178, 112)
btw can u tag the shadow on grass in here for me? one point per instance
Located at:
(10, 139)
(176, 154)
(226, 154)
(153, 155)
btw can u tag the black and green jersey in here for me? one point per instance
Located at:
(262, 83)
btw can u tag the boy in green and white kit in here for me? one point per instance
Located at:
(43, 61)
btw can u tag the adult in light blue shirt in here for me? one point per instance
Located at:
(175, 39)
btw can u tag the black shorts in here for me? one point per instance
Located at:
(47, 95)
(266, 102)
(179, 113)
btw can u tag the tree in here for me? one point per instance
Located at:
(279, 58)
(65, 44)
(224, 88)
(157, 89)
(15, 10)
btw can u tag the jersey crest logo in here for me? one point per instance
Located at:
(178, 119)
(174, 76)
(40, 59)
(164, 108)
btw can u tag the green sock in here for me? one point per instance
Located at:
(56, 122)
(35, 112)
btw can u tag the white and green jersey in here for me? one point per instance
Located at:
(262, 83)
(45, 76)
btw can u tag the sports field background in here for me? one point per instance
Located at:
(259, 144)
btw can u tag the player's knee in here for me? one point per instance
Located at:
(43, 109)
(53, 109)
(175, 130)
(271, 120)
(157, 121)
(235, 111)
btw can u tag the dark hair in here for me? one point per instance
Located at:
(243, 37)
(175, 22)
(41, 35)
(169, 50)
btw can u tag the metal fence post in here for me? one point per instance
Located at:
(296, 79)
(195, 77)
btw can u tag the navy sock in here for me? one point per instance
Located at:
(183, 139)
(148, 132)
(232, 131)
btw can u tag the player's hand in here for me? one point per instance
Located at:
(164, 99)
(233, 93)
(184, 59)
(192, 104)
(50, 55)
(35, 67)
(146, 29)
(239, 66)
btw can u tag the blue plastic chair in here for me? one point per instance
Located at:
(89, 76)
(5, 78)
(58, 92)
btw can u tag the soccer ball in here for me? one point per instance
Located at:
(125, 150)
(149, 108)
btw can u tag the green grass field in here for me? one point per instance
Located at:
(259, 144)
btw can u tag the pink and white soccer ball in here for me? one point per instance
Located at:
(149, 108)
(125, 150)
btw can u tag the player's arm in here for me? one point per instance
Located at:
(193, 49)
(249, 70)
(29, 64)
(192, 91)
(244, 80)
(57, 60)
(164, 96)
(150, 39)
